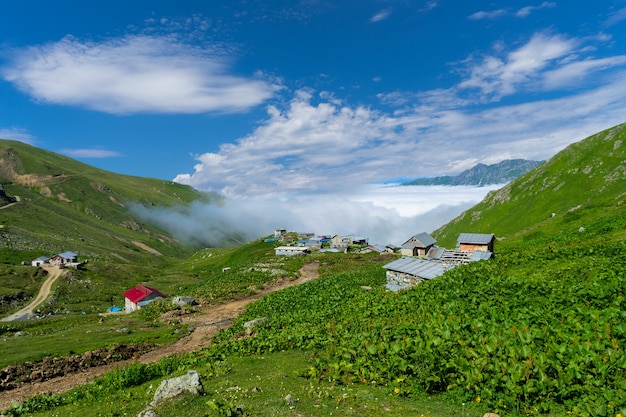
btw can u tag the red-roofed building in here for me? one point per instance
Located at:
(139, 296)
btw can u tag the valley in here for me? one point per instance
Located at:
(537, 330)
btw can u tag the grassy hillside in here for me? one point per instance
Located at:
(537, 331)
(67, 205)
(584, 181)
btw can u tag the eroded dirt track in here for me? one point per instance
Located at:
(204, 324)
(44, 292)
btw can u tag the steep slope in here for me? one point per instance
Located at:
(63, 204)
(582, 182)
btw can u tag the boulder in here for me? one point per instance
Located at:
(183, 301)
(170, 388)
(249, 325)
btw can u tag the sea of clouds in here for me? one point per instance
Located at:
(385, 214)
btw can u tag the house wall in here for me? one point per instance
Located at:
(474, 247)
(130, 306)
(415, 251)
(401, 279)
(292, 252)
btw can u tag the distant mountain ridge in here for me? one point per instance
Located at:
(482, 174)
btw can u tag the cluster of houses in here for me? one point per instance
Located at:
(134, 299)
(421, 258)
(62, 260)
(307, 242)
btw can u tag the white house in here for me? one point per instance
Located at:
(139, 296)
(41, 261)
(292, 250)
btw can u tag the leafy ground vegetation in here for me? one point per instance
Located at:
(539, 330)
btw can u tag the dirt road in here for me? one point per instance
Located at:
(26, 313)
(203, 325)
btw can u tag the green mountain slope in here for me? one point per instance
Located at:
(63, 204)
(584, 181)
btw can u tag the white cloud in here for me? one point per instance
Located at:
(430, 5)
(90, 153)
(526, 11)
(17, 134)
(616, 17)
(481, 15)
(521, 13)
(496, 77)
(381, 15)
(575, 73)
(134, 74)
(312, 146)
(382, 214)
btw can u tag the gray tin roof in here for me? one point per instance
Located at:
(424, 238)
(477, 238)
(417, 267)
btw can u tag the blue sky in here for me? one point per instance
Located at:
(272, 99)
(259, 97)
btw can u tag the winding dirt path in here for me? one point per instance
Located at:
(26, 313)
(203, 325)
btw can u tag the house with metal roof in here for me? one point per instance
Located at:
(409, 271)
(456, 256)
(139, 296)
(292, 250)
(476, 242)
(65, 259)
(40, 261)
(417, 245)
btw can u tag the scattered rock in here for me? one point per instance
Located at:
(366, 287)
(491, 415)
(289, 400)
(249, 325)
(183, 301)
(189, 383)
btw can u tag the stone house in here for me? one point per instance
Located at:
(483, 242)
(408, 271)
(417, 245)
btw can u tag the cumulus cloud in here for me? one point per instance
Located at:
(133, 74)
(319, 143)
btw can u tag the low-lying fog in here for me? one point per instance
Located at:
(384, 214)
